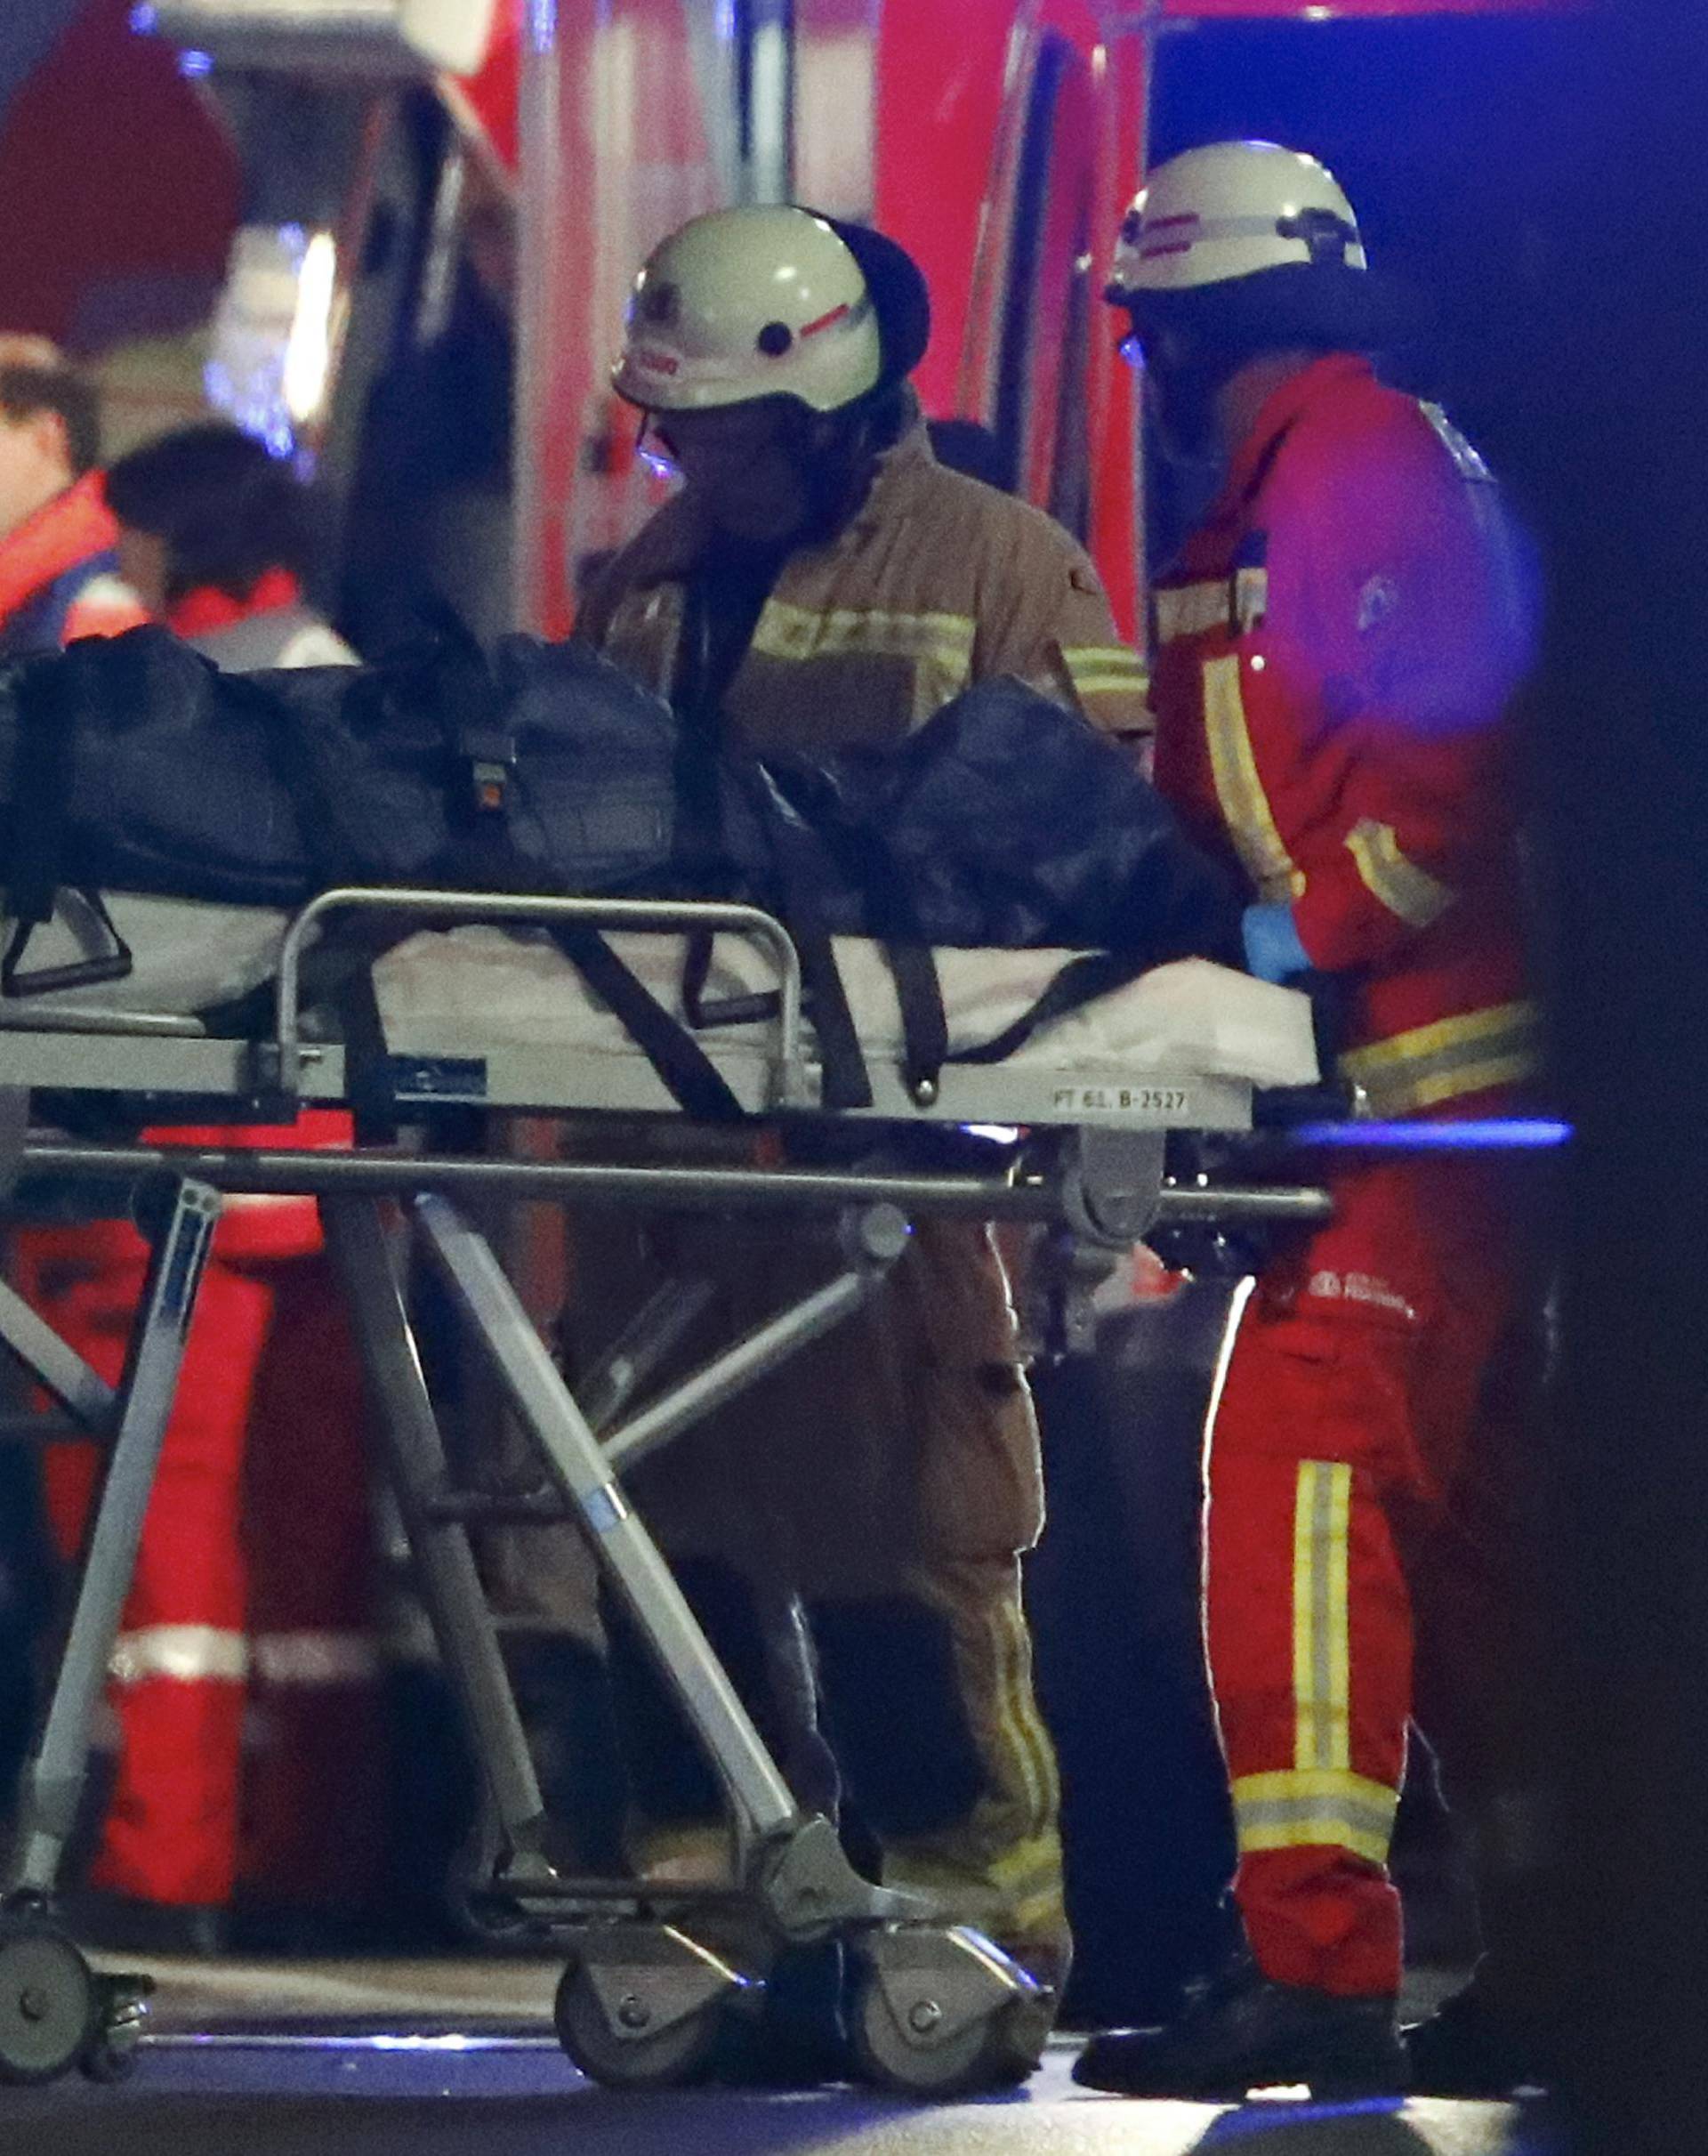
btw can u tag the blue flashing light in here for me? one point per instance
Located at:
(194, 65)
(1493, 1134)
(143, 20)
(254, 403)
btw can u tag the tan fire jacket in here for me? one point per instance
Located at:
(937, 582)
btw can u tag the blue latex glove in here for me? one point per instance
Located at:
(1273, 951)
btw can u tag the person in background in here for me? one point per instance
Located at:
(213, 536)
(59, 579)
(246, 1678)
(59, 570)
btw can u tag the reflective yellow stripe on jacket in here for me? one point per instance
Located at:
(1429, 1064)
(1409, 892)
(1097, 670)
(1245, 805)
(939, 646)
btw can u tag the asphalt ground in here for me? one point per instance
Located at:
(456, 2058)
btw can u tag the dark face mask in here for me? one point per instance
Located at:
(1182, 381)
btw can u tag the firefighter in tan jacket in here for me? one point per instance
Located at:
(820, 581)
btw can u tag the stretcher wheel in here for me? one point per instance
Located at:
(680, 2053)
(908, 2042)
(48, 2001)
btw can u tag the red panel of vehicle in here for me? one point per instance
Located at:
(940, 97)
(118, 242)
(493, 90)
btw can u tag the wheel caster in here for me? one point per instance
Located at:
(644, 2006)
(121, 2017)
(676, 2057)
(48, 2001)
(942, 2012)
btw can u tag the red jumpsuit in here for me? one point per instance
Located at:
(247, 1629)
(1334, 652)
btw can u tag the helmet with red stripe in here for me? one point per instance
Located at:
(771, 301)
(1229, 210)
(1240, 246)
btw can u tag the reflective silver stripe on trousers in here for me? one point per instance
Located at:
(193, 1653)
(184, 1651)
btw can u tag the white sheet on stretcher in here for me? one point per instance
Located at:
(481, 984)
(186, 957)
(477, 989)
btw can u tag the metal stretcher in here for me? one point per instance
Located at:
(657, 1977)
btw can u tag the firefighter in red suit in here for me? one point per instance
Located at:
(1334, 652)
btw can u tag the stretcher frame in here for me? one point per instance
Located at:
(644, 1993)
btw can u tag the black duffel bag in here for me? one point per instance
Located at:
(1004, 821)
(134, 764)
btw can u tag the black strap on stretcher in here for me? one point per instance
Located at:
(694, 1080)
(1079, 982)
(701, 858)
(47, 725)
(867, 864)
(846, 1083)
(470, 710)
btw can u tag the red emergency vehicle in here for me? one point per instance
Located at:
(999, 140)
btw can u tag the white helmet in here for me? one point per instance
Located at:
(1232, 210)
(767, 301)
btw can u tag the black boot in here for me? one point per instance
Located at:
(1243, 2031)
(1467, 2048)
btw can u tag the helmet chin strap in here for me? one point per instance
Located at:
(1186, 390)
(839, 453)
